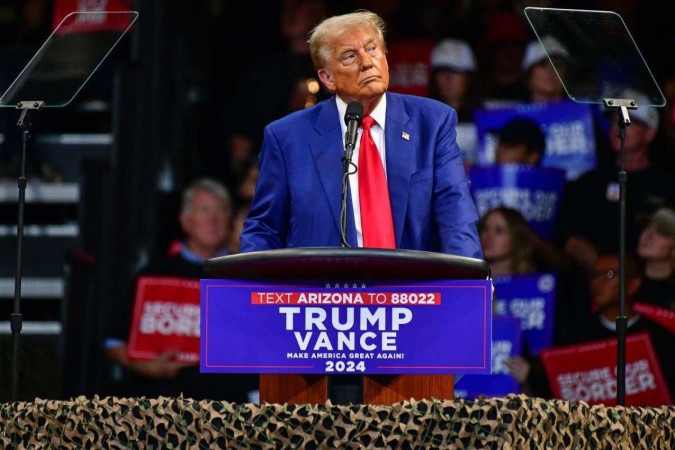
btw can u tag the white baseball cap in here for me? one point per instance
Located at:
(643, 113)
(453, 54)
(536, 51)
(664, 220)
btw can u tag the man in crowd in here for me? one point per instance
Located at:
(422, 201)
(521, 141)
(206, 220)
(604, 290)
(589, 218)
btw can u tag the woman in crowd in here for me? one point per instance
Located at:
(452, 65)
(656, 253)
(508, 246)
(507, 242)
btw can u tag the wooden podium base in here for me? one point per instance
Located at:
(378, 389)
(388, 389)
(277, 388)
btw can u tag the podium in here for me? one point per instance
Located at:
(335, 264)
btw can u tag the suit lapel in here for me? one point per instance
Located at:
(327, 152)
(400, 139)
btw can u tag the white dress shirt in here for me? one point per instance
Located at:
(377, 131)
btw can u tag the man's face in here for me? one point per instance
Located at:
(638, 137)
(357, 68)
(451, 85)
(206, 222)
(605, 281)
(508, 153)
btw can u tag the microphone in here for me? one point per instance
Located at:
(353, 119)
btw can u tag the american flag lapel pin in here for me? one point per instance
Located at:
(405, 136)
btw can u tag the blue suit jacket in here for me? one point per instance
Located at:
(297, 198)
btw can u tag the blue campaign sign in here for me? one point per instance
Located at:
(531, 298)
(435, 327)
(534, 191)
(568, 126)
(506, 342)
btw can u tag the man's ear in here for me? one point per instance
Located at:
(183, 220)
(326, 79)
(533, 158)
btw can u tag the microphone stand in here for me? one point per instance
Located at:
(623, 105)
(346, 163)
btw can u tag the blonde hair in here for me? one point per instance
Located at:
(320, 37)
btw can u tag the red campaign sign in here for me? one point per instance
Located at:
(587, 372)
(95, 15)
(410, 66)
(663, 316)
(165, 317)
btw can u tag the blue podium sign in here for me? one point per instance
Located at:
(506, 342)
(534, 191)
(531, 298)
(422, 327)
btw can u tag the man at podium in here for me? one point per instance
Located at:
(407, 185)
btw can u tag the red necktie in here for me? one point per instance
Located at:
(376, 219)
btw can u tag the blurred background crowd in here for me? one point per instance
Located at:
(186, 95)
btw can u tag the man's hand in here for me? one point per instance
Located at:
(519, 368)
(161, 368)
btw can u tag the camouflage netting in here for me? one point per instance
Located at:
(512, 422)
